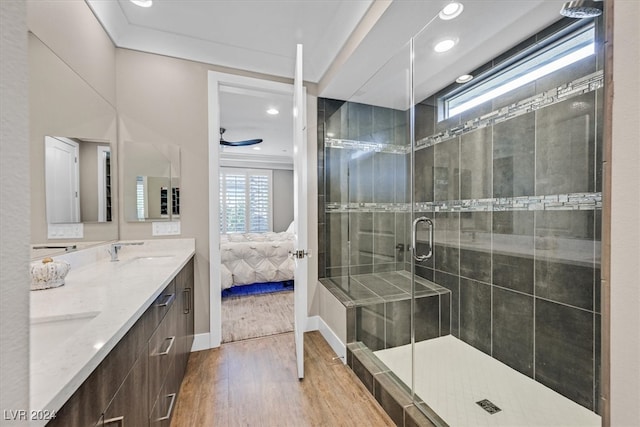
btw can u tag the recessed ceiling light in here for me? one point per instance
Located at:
(142, 3)
(444, 45)
(450, 11)
(272, 111)
(464, 78)
(257, 148)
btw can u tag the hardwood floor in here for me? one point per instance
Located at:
(254, 383)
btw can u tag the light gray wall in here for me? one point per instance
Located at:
(14, 209)
(282, 199)
(625, 217)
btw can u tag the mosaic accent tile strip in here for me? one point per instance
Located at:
(378, 147)
(573, 201)
(367, 207)
(577, 87)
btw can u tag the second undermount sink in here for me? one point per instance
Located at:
(147, 260)
(51, 331)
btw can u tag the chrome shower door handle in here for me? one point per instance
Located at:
(422, 257)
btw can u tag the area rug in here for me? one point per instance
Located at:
(258, 288)
(253, 316)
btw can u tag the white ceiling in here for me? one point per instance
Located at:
(254, 35)
(243, 115)
(260, 36)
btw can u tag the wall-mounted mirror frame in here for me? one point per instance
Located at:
(151, 182)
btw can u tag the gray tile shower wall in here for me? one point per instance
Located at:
(388, 324)
(326, 110)
(523, 276)
(514, 157)
(359, 240)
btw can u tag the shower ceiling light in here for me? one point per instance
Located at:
(464, 78)
(142, 3)
(444, 45)
(272, 111)
(450, 11)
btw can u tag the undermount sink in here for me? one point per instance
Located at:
(51, 331)
(149, 259)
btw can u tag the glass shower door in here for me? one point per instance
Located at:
(506, 312)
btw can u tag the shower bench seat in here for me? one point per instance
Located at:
(378, 313)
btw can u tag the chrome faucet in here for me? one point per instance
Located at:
(115, 248)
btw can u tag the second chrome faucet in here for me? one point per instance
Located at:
(115, 248)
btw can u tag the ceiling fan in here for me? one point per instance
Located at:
(237, 143)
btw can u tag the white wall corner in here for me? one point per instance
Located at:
(315, 323)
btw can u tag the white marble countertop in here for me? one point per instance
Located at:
(75, 326)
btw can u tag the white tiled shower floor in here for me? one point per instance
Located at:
(452, 375)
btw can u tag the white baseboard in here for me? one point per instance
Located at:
(201, 342)
(315, 323)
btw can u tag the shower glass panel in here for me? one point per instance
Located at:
(368, 206)
(501, 325)
(513, 186)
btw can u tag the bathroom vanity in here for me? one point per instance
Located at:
(110, 347)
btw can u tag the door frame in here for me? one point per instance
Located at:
(215, 81)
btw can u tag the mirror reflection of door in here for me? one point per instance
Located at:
(62, 180)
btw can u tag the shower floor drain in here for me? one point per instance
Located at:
(489, 406)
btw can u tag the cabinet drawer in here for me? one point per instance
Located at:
(160, 307)
(164, 405)
(129, 407)
(163, 346)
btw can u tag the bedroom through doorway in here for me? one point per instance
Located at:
(256, 213)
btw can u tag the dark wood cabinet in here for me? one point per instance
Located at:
(138, 382)
(129, 406)
(184, 290)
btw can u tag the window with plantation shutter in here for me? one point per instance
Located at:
(245, 200)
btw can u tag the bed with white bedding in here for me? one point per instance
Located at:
(256, 258)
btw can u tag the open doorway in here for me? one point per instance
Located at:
(255, 210)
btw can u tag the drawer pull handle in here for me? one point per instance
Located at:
(167, 301)
(171, 340)
(115, 422)
(187, 301)
(172, 396)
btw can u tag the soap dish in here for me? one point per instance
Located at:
(48, 274)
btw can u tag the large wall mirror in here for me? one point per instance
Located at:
(78, 180)
(151, 182)
(73, 151)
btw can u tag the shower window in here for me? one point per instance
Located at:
(561, 53)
